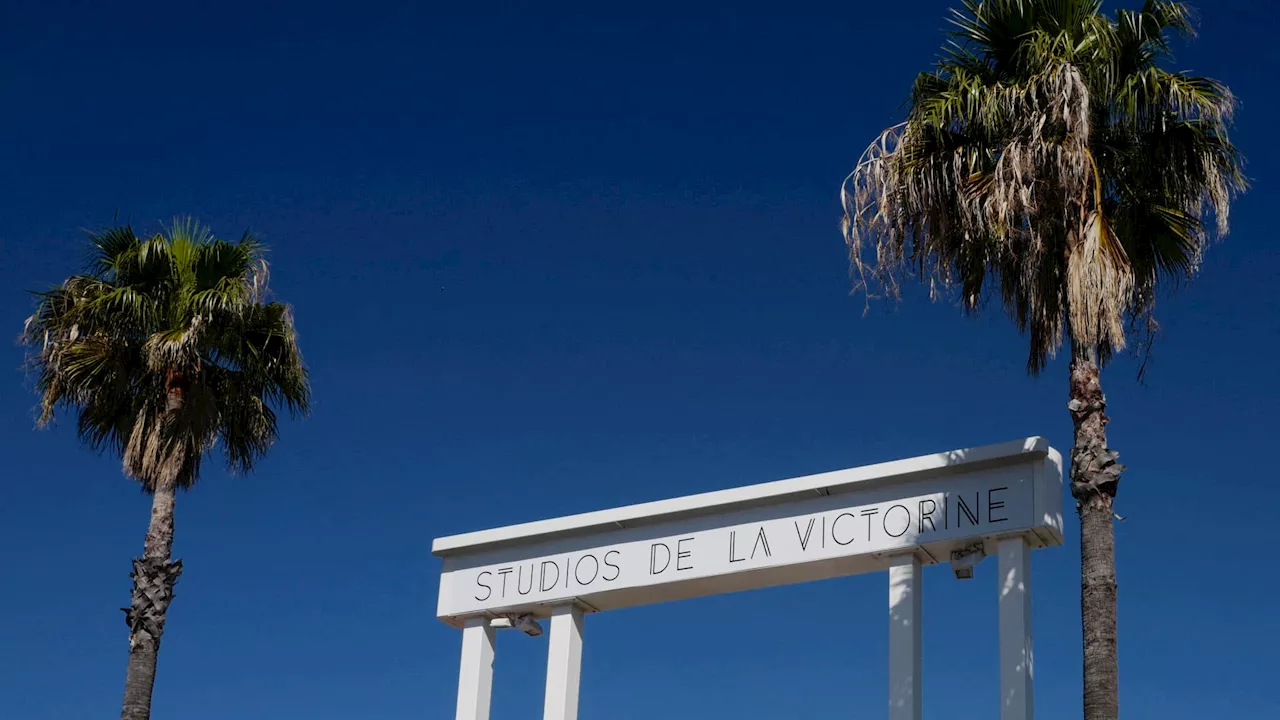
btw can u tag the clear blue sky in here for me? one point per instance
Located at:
(548, 260)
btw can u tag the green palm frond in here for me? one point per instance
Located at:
(177, 312)
(1152, 96)
(1051, 161)
(113, 248)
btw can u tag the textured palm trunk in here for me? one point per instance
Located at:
(154, 576)
(1094, 477)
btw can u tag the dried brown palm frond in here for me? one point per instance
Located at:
(1050, 154)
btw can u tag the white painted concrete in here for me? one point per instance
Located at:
(721, 500)
(892, 516)
(904, 637)
(797, 530)
(1017, 661)
(564, 663)
(475, 678)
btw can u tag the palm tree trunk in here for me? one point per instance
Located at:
(153, 579)
(1094, 477)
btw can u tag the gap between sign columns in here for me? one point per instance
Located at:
(475, 677)
(564, 663)
(904, 637)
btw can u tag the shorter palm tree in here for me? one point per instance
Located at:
(165, 348)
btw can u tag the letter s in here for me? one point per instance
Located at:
(488, 594)
(616, 570)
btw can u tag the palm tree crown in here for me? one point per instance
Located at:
(167, 347)
(1051, 156)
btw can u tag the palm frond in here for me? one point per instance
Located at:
(165, 347)
(1050, 152)
(112, 249)
(1154, 96)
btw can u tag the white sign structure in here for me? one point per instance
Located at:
(950, 507)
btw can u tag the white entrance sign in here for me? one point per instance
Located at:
(954, 506)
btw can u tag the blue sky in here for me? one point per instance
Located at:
(554, 259)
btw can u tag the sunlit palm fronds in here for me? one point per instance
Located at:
(1049, 160)
(166, 347)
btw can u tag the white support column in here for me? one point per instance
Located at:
(564, 663)
(1017, 662)
(904, 637)
(475, 679)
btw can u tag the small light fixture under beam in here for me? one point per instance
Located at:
(524, 623)
(963, 561)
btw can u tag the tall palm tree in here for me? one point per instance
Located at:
(166, 348)
(1051, 162)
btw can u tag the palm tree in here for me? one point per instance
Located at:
(165, 348)
(1051, 162)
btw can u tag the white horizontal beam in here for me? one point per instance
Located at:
(789, 540)
(725, 500)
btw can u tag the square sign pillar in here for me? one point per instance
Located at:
(564, 664)
(904, 637)
(1017, 662)
(475, 679)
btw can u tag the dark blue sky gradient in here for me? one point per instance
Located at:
(549, 259)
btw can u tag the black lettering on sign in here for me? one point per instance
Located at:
(566, 572)
(653, 558)
(867, 514)
(906, 522)
(733, 540)
(963, 508)
(836, 522)
(542, 585)
(761, 539)
(595, 570)
(933, 506)
(480, 583)
(993, 505)
(616, 570)
(504, 572)
(804, 539)
(681, 554)
(520, 580)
